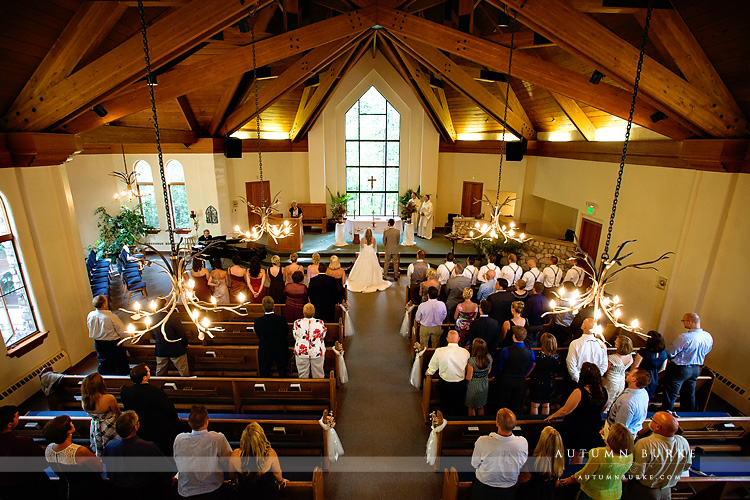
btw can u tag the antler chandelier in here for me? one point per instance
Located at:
(129, 178)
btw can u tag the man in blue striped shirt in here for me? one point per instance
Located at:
(686, 355)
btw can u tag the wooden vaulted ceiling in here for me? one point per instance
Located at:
(60, 58)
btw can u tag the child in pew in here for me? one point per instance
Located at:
(256, 466)
(543, 374)
(477, 370)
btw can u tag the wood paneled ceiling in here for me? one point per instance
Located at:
(60, 58)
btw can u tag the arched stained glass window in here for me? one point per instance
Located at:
(145, 183)
(175, 175)
(373, 130)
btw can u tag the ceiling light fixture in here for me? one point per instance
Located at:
(658, 116)
(129, 178)
(99, 110)
(596, 77)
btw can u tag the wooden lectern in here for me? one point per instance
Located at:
(293, 242)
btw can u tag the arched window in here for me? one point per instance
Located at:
(177, 195)
(373, 129)
(145, 183)
(17, 319)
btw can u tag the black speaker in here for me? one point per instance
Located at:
(570, 235)
(514, 151)
(233, 147)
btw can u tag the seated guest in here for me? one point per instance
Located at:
(520, 292)
(276, 280)
(309, 346)
(470, 271)
(292, 268)
(614, 378)
(201, 456)
(587, 348)
(601, 477)
(272, 331)
(206, 237)
(466, 313)
(658, 461)
(239, 284)
(582, 412)
(324, 294)
(416, 273)
(257, 280)
(31, 483)
(77, 466)
(543, 375)
(131, 484)
(513, 364)
(107, 329)
(543, 468)
(501, 299)
(335, 270)
(631, 406)
(430, 316)
(498, 459)
(536, 305)
(219, 282)
(488, 287)
(450, 364)
(295, 212)
(485, 328)
(490, 266)
(201, 279)
(256, 465)
(512, 272)
(652, 358)
(430, 281)
(312, 269)
(516, 309)
(447, 269)
(296, 297)
(170, 345)
(454, 291)
(158, 418)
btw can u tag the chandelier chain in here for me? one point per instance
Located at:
(505, 111)
(149, 80)
(257, 111)
(644, 40)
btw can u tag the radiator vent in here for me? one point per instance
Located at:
(737, 396)
(61, 358)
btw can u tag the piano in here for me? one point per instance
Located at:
(227, 248)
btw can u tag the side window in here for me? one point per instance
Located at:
(145, 183)
(177, 194)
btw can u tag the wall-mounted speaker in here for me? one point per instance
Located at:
(514, 151)
(233, 147)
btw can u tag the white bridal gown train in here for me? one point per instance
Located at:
(367, 275)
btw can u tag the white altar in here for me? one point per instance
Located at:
(358, 225)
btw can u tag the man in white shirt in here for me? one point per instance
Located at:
(106, 329)
(447, 269)
(470, 271)
(587, 348)
(450, 363)
(552, 277)
(498, 459)
(481, 277)
(533, 275)
(512, 272)
(576, 273)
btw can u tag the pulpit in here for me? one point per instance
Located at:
(292, 243)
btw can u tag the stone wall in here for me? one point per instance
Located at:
(541, 249)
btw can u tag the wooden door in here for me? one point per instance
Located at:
(472, 192)
(252, 190)
(588, 238)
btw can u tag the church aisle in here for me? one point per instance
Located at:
(379, 417)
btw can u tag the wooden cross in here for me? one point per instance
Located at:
(372, 180)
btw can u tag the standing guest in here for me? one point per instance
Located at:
(450, 364)
(426, 218)
(31, 483)
(416, 273)
(256, 465)
(256, 280)
(582, 412)
(296, 297)
(686, 355)
(516, 309)
(239, 284)
(477, 371)
(272, 332)
(659, 460)
(512, 272)
(80, 470)
(201, 279)
(335, 270)
(416, 204)
(535, 307)
(158, 418)
(501, 301)
(276, 280)
(532, 276)
(490, 266)
(170, 345)
(543, 468)
(106, 329)
(309, 347)
(391, 237)
(631, 407)
(470, 271)
(614, 379)
(292, 268)
(586, 348)
(552, 277)
(601, 477)
(454, 291)
(488, 287)
(447, 269)
(485, 328)
(576, 274)
(520, 293)
(430, 316)
(498, 459)
(103, 409)
(466, 313)
(219, 282)
(120, 453)
(201, 456)
(324, 294)
(312, 269)
(513, 364)
(295, 212)
(543, 375)
(652, 358)
(430, 281)
(560, 324)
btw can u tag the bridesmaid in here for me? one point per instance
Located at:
(238, 280)
(312, 269)
(257, 277)
(292, 268)
(200, 276)
(220, 282)
(276, 281)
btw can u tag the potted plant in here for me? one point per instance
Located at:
(406, 208)
(116, 231)
(338, 204)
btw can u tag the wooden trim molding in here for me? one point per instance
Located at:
(26, 345)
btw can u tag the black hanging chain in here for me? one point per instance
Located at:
(505, 111)
(149, 79)
(605, 255)
(257, 113)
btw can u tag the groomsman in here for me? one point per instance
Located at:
(391, 237)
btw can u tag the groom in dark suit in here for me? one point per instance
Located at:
(391, 237)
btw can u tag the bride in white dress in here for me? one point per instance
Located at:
(367, 275)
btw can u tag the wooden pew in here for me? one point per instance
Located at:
(314, 214)
(230, 395)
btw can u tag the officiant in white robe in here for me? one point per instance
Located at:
(426, 219)
(417, 204)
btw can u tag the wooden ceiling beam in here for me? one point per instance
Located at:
(583, 36)
(89, 24)
(187, 111)
(608, 98)
(597, 7)
(173, 34)
(420, 5)
(185, 79)
(576, 115)
(335, 5)
(307, 66)
(34, 149)
(230, 87)
(523, 40)
(110, 134)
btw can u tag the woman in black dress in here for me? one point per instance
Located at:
(256, 465)
(276, 280)
(542, 470)
(652, 358)
(543, 374)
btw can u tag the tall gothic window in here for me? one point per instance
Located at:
(145, 182)
(373, 129)
(177, 195)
